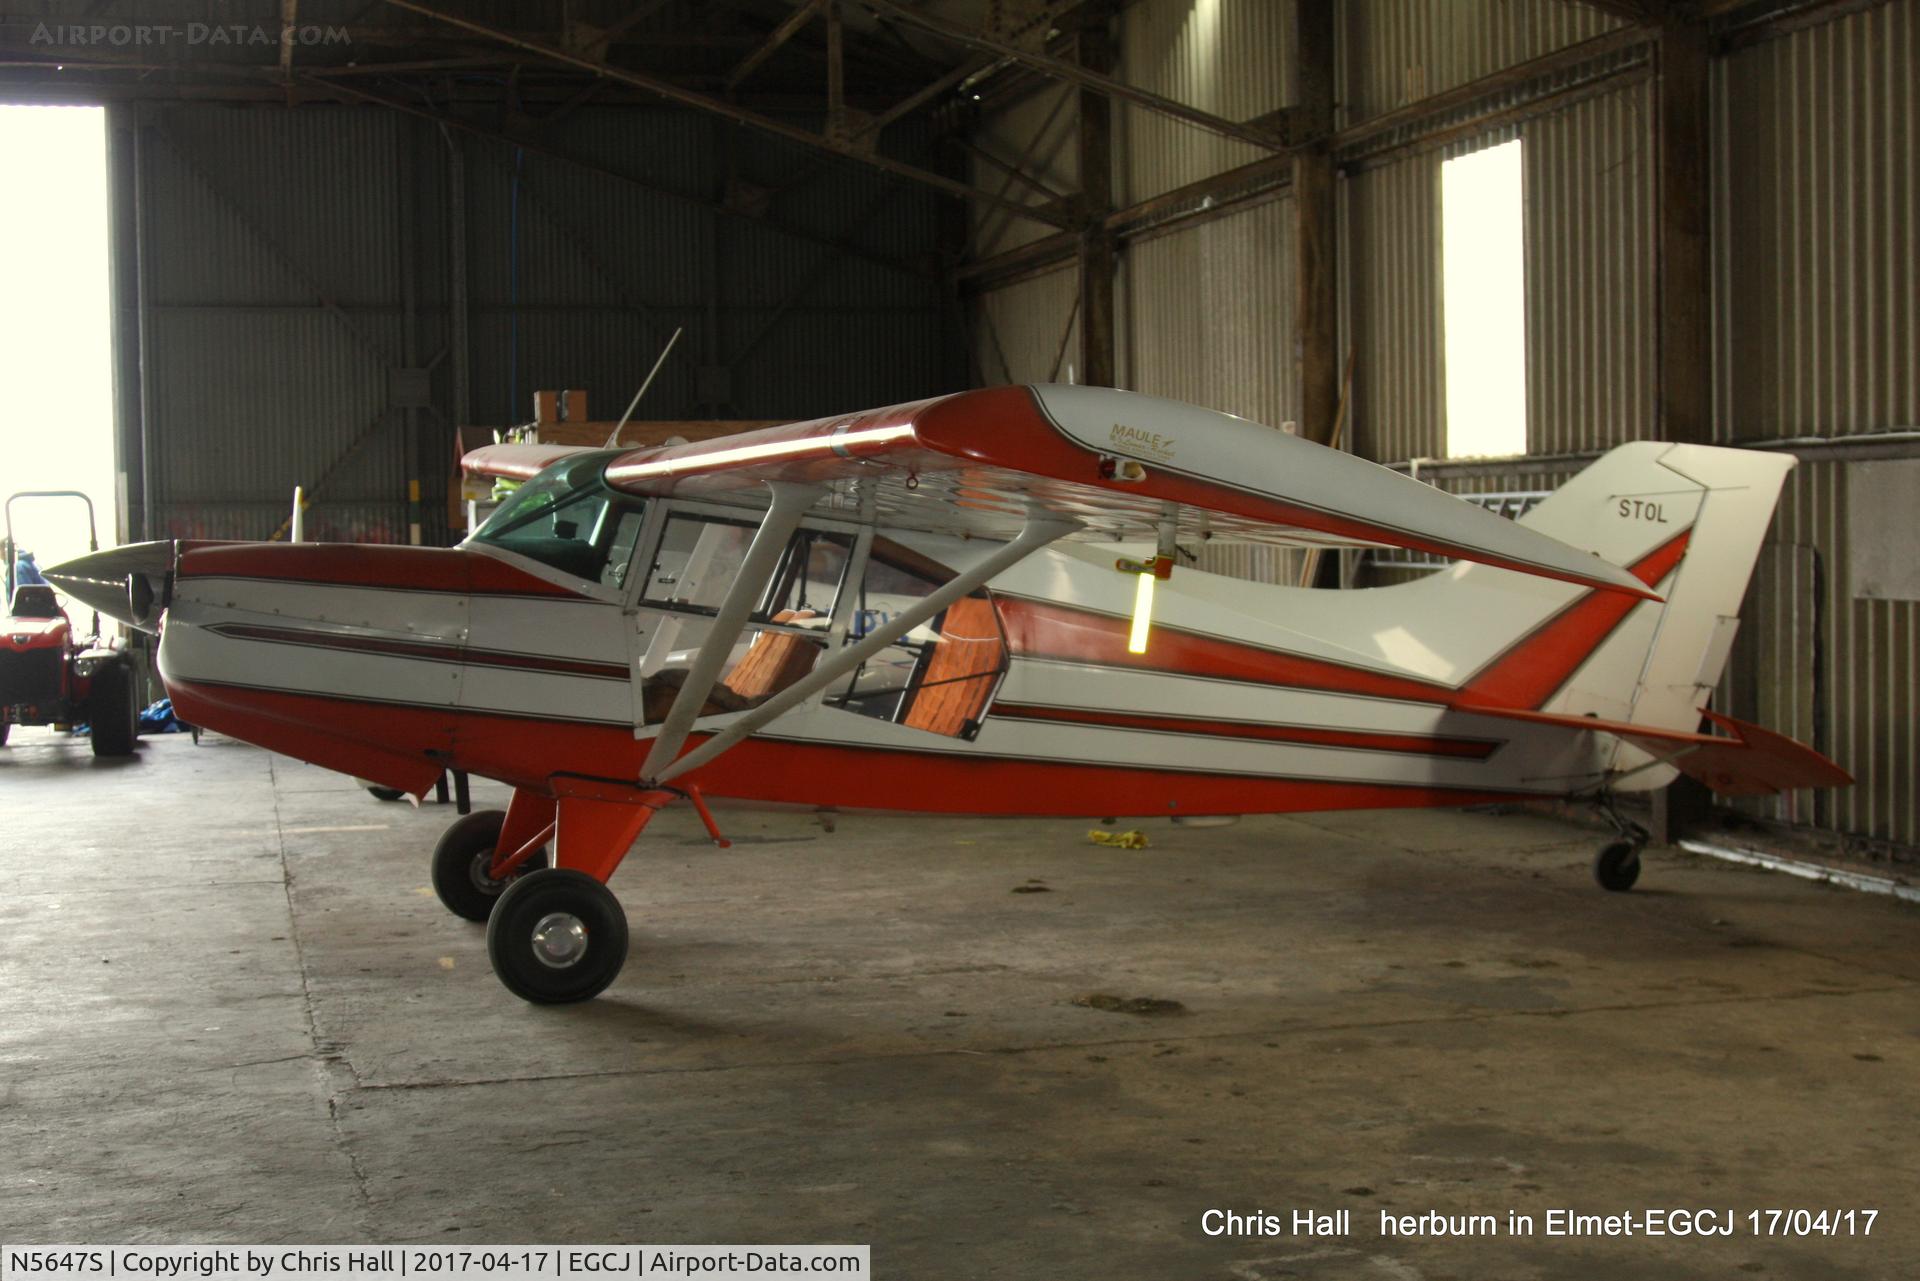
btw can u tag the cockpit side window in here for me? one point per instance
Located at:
(567, 518)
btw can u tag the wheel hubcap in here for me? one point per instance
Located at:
(559, 940)
(479, 871)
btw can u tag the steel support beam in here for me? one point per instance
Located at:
(1316, 306)
(920, 97)
(730, 111)
(836, 73)
(1095, 52)
(786, 31)
(1683, 222)
(1635, 11)
(452, 121)
(1076, 74)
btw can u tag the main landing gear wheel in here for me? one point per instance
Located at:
(1618, 866)
(557, 935)
(463, 863)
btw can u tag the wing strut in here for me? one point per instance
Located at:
(790, 503)
(1035, 534)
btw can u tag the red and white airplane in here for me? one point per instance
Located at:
(922, 609)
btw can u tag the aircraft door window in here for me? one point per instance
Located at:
(941, 675)
(696, 562)
(627, 522)
(808, 581)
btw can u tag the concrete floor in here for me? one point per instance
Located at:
(231, 1010)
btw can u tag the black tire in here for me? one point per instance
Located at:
(380, 793)
(113, 719)
(1618, 866)
(547, 911)
(461, 859)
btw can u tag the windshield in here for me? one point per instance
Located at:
(567, 518)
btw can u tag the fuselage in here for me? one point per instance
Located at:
(395, 663)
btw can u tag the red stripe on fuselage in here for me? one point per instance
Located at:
(1532, 670)
(1368, 740)
(422, 569)
(381, 741)
(1042, 630)
(1526, 674)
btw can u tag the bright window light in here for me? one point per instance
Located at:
(55, 342)
(1484, 261)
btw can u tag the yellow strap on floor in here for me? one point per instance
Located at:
(1129, 840)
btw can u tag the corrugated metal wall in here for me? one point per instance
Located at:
(1817, 308)
(1818, 326)
(1027, 332)
(272, 284)
(1037, 136)
(1398, 51)
(1231, 57)
(1209, 314)
(1819, 305)
(1830, 668)
(278, 251)
(1391, 249)
(1590, 273)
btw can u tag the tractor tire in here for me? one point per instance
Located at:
(115, 720)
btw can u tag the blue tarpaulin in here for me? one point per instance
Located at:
(158, 718)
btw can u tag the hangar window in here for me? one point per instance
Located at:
(1483, 259)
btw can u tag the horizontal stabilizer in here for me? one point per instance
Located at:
(1747, 761)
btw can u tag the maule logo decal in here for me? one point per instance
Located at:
(1638, 509)
(1140, 441)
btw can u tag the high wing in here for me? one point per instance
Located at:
(1123, 466)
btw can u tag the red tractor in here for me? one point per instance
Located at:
(47, 676)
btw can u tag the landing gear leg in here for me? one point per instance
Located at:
(1617, 866)
(558, 934)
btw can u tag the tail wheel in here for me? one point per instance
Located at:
(557, 935)
(115, 721)
(1618, 866)
(463, 865)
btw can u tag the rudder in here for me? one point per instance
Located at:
(1658, 666)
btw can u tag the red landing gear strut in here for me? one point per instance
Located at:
(555, 932)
